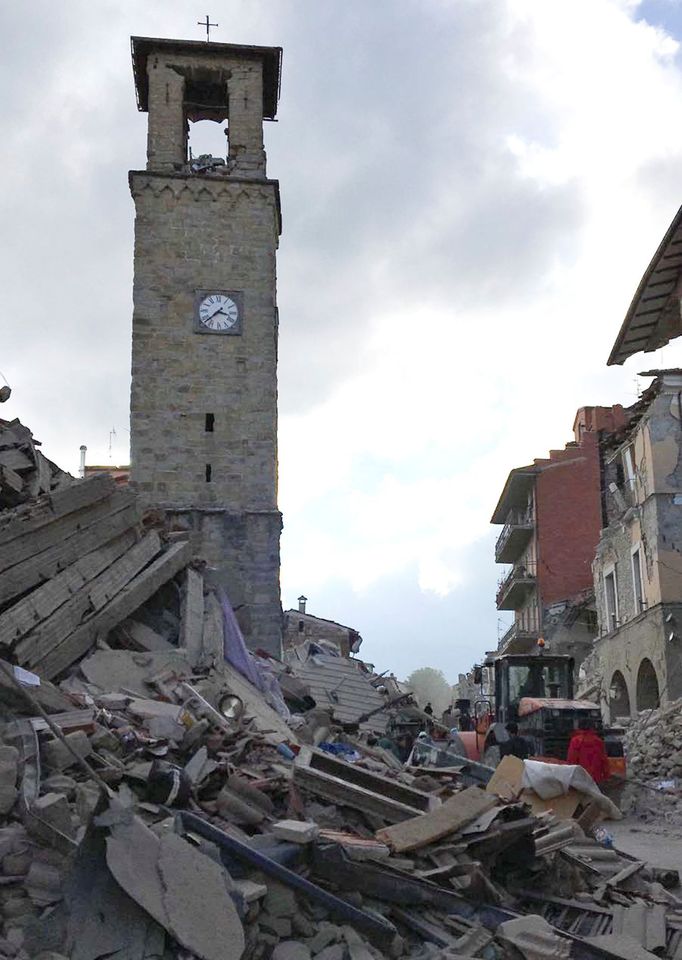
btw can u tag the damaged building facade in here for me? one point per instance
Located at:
(301, 627)
(550, 516)
(638, 564)
(638, 567)
(205, 321)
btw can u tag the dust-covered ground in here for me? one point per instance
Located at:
(658, 844)
(652, 827)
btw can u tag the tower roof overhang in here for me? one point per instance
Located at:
(653, 318)
(271, 58)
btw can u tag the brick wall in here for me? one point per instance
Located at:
(568, 521)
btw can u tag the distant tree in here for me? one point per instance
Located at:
(429, 685)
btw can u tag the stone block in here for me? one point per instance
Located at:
(336, 951)
(250, 891)
(237, 810)
(59, 783)
(17, 864)
(9, 758)
(280, 900)
(281, 926)
(87, 798)
(50, 813)
(57, 756)
(291, 950)
(327, 933)
(295, 831)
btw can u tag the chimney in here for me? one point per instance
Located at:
(81, 471)
(301, 603)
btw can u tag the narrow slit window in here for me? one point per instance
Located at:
(208, 473)
(210, 422)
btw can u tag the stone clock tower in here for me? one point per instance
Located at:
(204, 362)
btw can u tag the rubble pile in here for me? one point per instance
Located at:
(166, 794)
(24, 472)
(654, 743)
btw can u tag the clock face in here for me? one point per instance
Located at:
(218, 312)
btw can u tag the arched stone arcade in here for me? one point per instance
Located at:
(648, 697)
(619, 698)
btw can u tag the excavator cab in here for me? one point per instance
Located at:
(536, 691)
(531, 677)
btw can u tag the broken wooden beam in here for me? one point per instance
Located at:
(25, 615)
(192, 616)
(351, 786)
(55, 547)
(456, 812)
(140, 589)
(82, 494)
(120, 566)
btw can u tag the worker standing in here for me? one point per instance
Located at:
(515, 746)
(587, 749)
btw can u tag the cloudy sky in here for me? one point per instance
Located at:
(471, 191)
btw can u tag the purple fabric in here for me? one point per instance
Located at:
(234, 648)
(237, 655)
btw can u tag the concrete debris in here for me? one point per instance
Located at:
(535, 938)
(183, 890)
(157, 801)
(455, 813)
(295, 830)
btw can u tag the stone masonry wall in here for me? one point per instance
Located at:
(191, 234)
(167, 73)
(204, 406)
(199, 233)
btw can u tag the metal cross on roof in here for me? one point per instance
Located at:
(207, 23)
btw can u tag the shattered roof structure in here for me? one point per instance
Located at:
(342, 685)
(653, 318)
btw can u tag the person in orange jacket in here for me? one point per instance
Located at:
(587, 749)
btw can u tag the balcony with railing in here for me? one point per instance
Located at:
(522, 635)
(517, 531)
(514, 586)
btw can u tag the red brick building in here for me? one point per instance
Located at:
(550, 512)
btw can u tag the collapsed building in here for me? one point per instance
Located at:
(166, 794)
(300, 626)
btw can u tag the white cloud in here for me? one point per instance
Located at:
(451, 396)
(471, 192)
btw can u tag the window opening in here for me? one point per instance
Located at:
(208, 473)
(207, 146)
(619, 699)
(637, 579)
(629, 467)
(539, 680)
(611, 598)
(210, 422)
